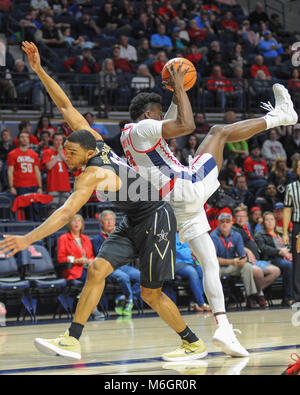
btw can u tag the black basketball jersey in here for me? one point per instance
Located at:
(136, 198)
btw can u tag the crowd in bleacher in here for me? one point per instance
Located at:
(99, 46)
(126, 44)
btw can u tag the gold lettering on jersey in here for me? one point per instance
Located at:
(103, 154)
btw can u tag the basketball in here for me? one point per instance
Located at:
(190, 76)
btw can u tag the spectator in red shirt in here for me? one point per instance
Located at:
(75, 249)
(220, 86)
(121, 64)
(256, 170)
(27, 127)
(294, 86)
(196, 34)
(167, 11)
(58, 182)
(161, 60)
(258, 65)
(23, 171)
(44, 144)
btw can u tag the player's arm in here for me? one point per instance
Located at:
(83, 189)
(184, 123)
(286, 218)
(73, 117)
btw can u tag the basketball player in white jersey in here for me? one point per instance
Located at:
(188, 188)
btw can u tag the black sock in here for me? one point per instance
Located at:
(75, 330)
(188, 335)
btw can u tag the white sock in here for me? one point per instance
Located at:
(271, 121)
(222, 320)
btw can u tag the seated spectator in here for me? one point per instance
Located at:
(189, 150)
(127, 51)
(54, 161)
(121, 64)
(266, 273)
(143, 27)
(238, 151)
(291, 143)
(26, 126)
(232, 256)
(228, 174)
(248, 34)
(49, 34)
(87, 27)
(266, 199)
(167, 11)
(280, 176)
(44, 123)
(187, 267)
(272, 248)
(262, 87)
(108, 83)
(159, 63)
(183, 33)
(173, 145)
(255, 219)
(269, 47)
(160, 41)
(258, 15)
(272, 148)
(240, 192)
(278, 213)
(7, 87)
(144, 54)
(195, 55)
(30, 24)
(5, 144)
(220, 86)
(109, 17)
(98, 127)
(258, 65)
(144, 80)
(126, 276)
(197, 35)
(202, 127)
(80, 42)
(294, 86)
(229, 27)
(256, 170)
(24, 85)
(237, 58)
(23, 171)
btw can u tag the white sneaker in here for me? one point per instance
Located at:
(284, 107)
(225, 338)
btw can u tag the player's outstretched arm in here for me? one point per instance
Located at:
(73, 117)
(62, 216)
(184, 123)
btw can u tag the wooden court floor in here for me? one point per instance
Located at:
(134, 347)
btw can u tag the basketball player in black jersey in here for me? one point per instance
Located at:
(147, 232)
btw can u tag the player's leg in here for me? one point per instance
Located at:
(282, 114)
(68, 345)
(192, 347)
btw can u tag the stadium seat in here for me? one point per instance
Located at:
(39, 269)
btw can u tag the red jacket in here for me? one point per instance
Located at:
(255, 67)
(67, 246)
(219, 83)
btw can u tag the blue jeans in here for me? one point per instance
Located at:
(286, 268)
(194, 274)
(124, 276)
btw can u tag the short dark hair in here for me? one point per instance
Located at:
(23, 132)
(140, 103)
(84, 138)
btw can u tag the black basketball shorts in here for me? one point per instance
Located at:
(153, 241)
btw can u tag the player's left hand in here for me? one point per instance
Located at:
(13, 244)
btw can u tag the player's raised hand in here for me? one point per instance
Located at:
(13, 244)
(33, 54)
(176, 76)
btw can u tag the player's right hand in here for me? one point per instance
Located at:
(33, 54)
(286, 239)
(176, 76)
(13, 244)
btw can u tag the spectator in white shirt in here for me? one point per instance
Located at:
(272, 148)
(39, 4)
(127, 50)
